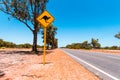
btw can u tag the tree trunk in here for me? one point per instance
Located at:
(53, 46)
(34, 47)
(47, 46)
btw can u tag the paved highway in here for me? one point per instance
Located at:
(106, 66)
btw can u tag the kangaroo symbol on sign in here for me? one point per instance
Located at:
(45, 18)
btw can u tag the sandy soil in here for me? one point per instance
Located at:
(21, 65)
(104, 51)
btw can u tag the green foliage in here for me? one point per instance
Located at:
(6, 44)
(95, 44)
(69, 46)
(2, 47)
(85, 45)
(25, 11)
(26, 45)
(105, 47)
(88, 46)
(38, 46)
(51, 41)
(118, 35)
(112, 48)
(77, 46)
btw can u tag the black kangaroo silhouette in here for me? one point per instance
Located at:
(45, 18)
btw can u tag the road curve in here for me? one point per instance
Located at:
(106, 66)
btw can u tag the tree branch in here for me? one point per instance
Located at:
(25, 23)
(18, 19)
(31, 5)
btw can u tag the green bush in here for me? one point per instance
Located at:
(2, 47)
(114, 47)
(88, 47)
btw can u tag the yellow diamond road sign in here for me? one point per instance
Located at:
(45, 19)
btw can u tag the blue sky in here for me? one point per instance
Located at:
(76, 20)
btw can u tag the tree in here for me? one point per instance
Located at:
(55, 43)
(95, 43)
(7, 44)
(114, 47)
(68, 46)
(51, 41)
(76, 45)
(118, 35)
(25, 11)
(26, 45)
(86, 45)
(1, 43)
(51, 32)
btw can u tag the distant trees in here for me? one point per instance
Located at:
(74, 46)
(1, 43)
(118, 35)
(112, 47)
(51, 41)
(25, 11)
(85, 45)
(26, 45)
(6, 44)
(95, 43)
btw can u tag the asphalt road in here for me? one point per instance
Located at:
(105, 66)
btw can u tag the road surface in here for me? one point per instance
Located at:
(105, 66)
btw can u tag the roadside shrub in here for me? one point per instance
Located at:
(106, 47)
(2, 47)
(26, 45)
(88, 47)
(114, 47)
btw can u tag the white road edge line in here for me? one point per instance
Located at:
(114, 78)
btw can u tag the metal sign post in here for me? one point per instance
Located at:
(45, 19)
(44, 54)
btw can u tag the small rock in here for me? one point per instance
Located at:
(1, 73)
